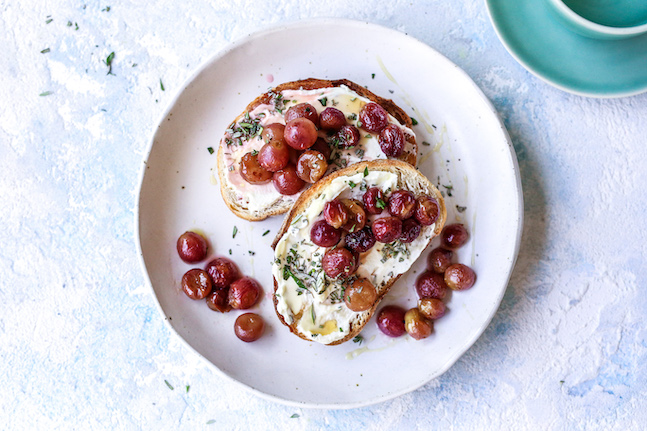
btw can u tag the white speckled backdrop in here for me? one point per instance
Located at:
(83, 345)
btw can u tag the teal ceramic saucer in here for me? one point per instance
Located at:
(564, 59)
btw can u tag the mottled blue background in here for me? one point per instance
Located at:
(83, 345)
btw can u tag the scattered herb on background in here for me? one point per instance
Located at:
(351, 184)
(169, 385)
(46, 93)
(414, 121)
(187, 388)
(235, 232)
(251, 253)
(108, 62)
(358, 339)
(45, 51)
(49, 19)
(211, 421)
(460, 209)
(294, 416)
(372, 76)
(266, 232)
(449, 189)
(229, 251)
(210, 149)
(426, 143)
(162, 85)
(106, 9)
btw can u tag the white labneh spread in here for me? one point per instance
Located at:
(304, 293)
(245, 135)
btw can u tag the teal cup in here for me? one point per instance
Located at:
(602, 19)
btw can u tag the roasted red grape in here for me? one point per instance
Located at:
(361, 295)
(300, 133)
(387, 229)
(196, 283)
(302, 110)
(373, 117)
(392, 141)
(249, 327)
(218, 300)
(192, 247)
(273, 133)
(323, 147)
(311, 166)
(286, 181)
(332, 119)
(324, 235)
(275, 154)
(427, 210)
(390, 320)
(361, 241)
(356, 215)
(223, 272)
(417, 325)
(432, 308)
(244, 293)
(374, 201)
(336, 213)
(346, 137)
(252, 171)
(431, 284)
(454, 236)
(402, 204)
(459, 277)
(410, 230)
(439, 259)
(339, 262)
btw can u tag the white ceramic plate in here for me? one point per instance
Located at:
(469, 150)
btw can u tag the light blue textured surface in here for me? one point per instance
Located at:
(82, 343)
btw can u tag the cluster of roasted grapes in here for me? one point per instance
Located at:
(221, 285)
(431, 287)
(349, 218)
(294, 154)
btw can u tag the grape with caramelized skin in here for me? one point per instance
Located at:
(361, 295)
(332, 119)
(392, 141)
(431, 284)
(244, 293)
(387, 229)
(336, 213)
(347, 137)
(373, 117)
(427, 210)
(300, 133)
(402, 204)
(196, 283)
(339, 262)
(192, 247)
(222, 271)
(390, 320)
(356, 215)
(417, 325)
(287, 181)
(302, 110)
(252, 171)
(360, 241)
(374, 201)
(432, 308)
(249, 327)
(323, 147)
(410, 230)
(311, 166)
(439, 259)
(324, 235)
(275, 154)
(454, 236)
(460, 277)
(218, 300)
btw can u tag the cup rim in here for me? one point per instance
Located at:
(594, 26)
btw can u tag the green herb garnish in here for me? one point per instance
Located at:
(161, 84)
(108, 62)
(425, 143)
(288, 273)
(188, 387)
(379, 203)
(372, 76)
(414, 121)
(294, 416)
(210, 149)
(323, 101)
(366, 171)
(211, 421)
(358, 339)
(460, 209)
(351, 184)
(251, 253)
(266, 232)
(169, 385)
(233, 235)
(45, 51)
(46, 93)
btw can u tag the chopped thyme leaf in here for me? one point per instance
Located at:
(449, 189)
(358, 339)
(161, 84)
(235, 232)
(254, 152)
(414, 121)
(425, 143)
(288, 273)
(351, 184)
(251, 253)
(46, 93)
(187, 388)
(372, 76)
(352, 117)
(379, 203)
(366, 171)
(460, 209)
(108, 62)
(169, 385)
(229, 251)
(266, 232)
(211, 421)
(312, 313)
(323, 101)
(106, 9)
(69, 23)
(210, 149)
(45, 51)
(294, 416)
(49, 20)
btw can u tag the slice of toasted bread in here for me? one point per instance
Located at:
(257, 202)
(308, 301)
